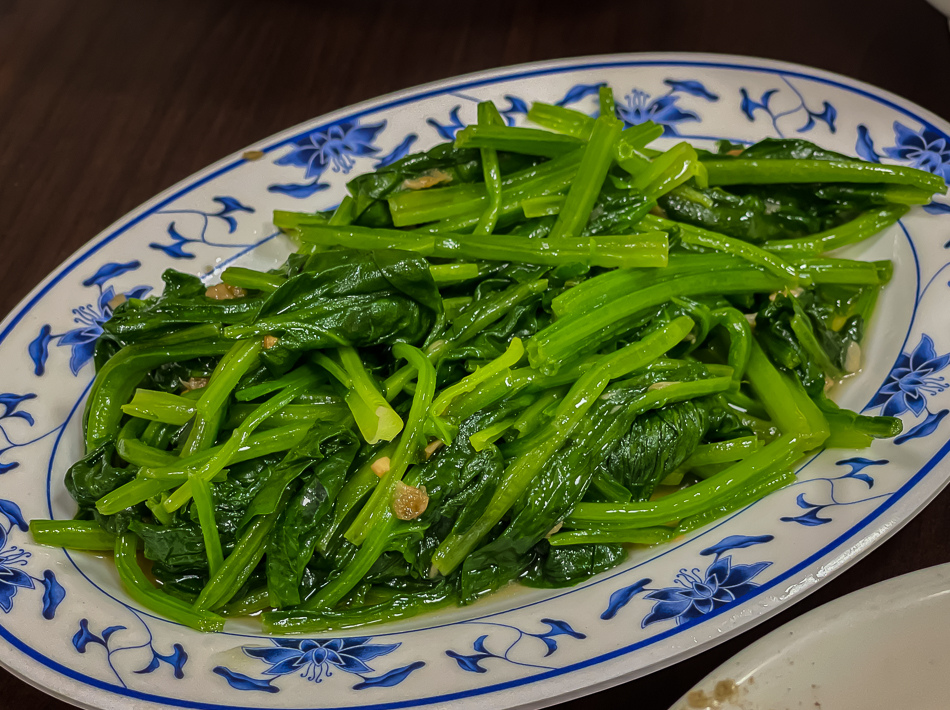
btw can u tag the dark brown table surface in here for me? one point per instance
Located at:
(104, 103)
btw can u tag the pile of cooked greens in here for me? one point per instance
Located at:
(508, 358)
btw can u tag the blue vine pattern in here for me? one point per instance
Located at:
(514, 108)
(448, 129)
(89, 318)
(13, 559)
(317, 659)
(176, 659)
(472, 662)
(696, 593)
(812, 515)
(828, 114)
(578, 92)
(228, 208)
(912, 379)
(10, 403)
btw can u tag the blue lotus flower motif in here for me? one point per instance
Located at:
(698, 594)
(912, 379)
(926, 149)
(314, 658)
(336, 147)
(638, 108)
(11, 577)
(90, 318)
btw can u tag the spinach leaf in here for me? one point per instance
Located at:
(94, 475)
(751, 214)
(658, 442)
(459, 482)
(177, 548)
(348, 297)
(568, 565)
(548, 499)
(183, 301)
(295, 536)
(791, 149)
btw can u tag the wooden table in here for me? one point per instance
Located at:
(104, 103)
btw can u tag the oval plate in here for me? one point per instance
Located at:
(68, 628)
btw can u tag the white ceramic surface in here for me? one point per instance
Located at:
(883, 647)
(65, 623)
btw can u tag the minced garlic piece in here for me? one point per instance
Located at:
(852, 358)
(225, 292)
(195, 383)
(660, 385)
(270, 341)
(409, 502)
(433, 446)
(381, 466)
(117, 301)
(430, 178)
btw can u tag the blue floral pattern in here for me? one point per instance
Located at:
(12, 578)
(696, 593)
(912, 379)
(336, 147)
(89, 319)
(638, 106)
(313, 658)
(316, 659)
(13, 559)
(634, 108)
(925, 149)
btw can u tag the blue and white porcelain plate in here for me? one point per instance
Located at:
(67, 626)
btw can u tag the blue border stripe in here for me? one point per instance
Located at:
(93, 248)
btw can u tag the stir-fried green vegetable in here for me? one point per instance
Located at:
(506, 359)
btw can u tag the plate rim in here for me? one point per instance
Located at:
(107, 691)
